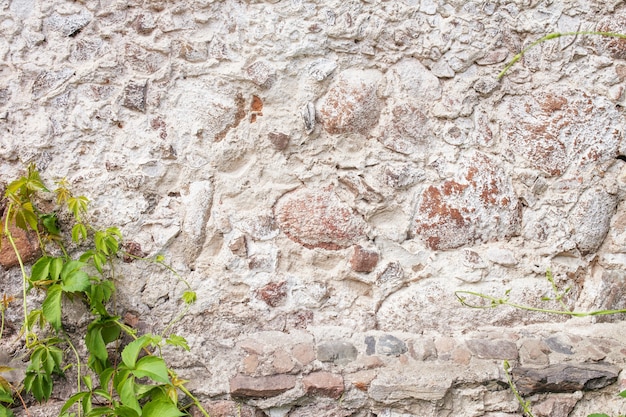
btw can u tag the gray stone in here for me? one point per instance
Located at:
(69, 25)
(135, 96)
(591, 217)
(493, 349)
(570, 377)
(390, 345)
(337, 351)
(557, 344)
(370, 343)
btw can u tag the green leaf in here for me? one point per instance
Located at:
(51, 223)
(6, 412)
(622, 394)
(153, 368)
(131, 351)
(189, 297)
(41, 269)
(598, 415)
(76, 281)
(179, 341)
(56, 265)
(79, 396)
(161, 408)
(95, 342)
(126, 391)
(79, 232)
(51, 306)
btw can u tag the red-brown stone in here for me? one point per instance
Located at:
(323, 383)
(480, 204)
(26, 243)
(363, 260)
(259, 387)
(351, 104)
(273, 293)
(318, 219)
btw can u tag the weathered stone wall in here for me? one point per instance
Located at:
(327, 174)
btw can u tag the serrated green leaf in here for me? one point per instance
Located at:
(41, 269)
(179, 341)
(622, 394)
(79, 232)
(51, 306)
(131, 351)
(56, 266)
(76, 281)
(161, 408)
(126, 391)
(51, 223)
(79, 396)
(95, 343)
(598, 415)
(153, 368)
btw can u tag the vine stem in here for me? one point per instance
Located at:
(495, 302)
(556, 35)
(9, 236)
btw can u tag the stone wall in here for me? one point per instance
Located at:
(327, 174)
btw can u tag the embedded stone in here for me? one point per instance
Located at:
(615, 47)
(569, 377)
(273, 293)
(390, 346)
(337, 351)
(351, 105)
(69, 25)
(260, 387)
(590, 219)
(225, 408)
(493, 349)
(323, 383)
(318, 219)
(363, 260)
(534, 352)
(143, 60)
(197, 205)
(262, 74)
(135, 96)
(280, 141)
(26, 244)
(144, 23)
(478, 205)
(303, 353)
(560, 406)
(559, 345)
(370, 345)
(48, 81)
(501, 256)
(405, 129)
(559, 127)
(427, 382)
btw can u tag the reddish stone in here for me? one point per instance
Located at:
(26, 243)
(227, 409)
(318, 219)
(273, 293)
(363, 260)
(133, 251)
(615, 47)
(480, 204)
(303, 353)
(351, 104)
(556, 128)
(405, 130)
(323, 383)
(259, 387)
(279, 140)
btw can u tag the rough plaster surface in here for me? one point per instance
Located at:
(326, 174)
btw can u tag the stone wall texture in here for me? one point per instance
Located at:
(326, 174)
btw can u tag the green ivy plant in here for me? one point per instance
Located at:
(129, 381)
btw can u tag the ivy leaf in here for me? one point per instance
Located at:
(161, 408)
(179, 341)
(79, 232)
(51, 306)
(51, 223)
(41, 269)
(79, 396)
(56, 266)
(95, 342)
(153, 368)
(126, 390)
(6, 412)
(131, 351)
(76, 281)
